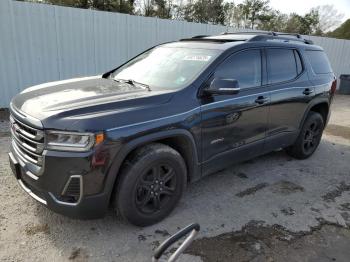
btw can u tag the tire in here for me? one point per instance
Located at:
(152, 181)
(309, 137)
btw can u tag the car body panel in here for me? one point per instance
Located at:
(217, 130)
(230, 122)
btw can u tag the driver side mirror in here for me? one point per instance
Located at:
(223, 86)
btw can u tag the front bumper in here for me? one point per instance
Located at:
(48, 186)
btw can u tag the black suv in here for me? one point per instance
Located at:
(135, 136)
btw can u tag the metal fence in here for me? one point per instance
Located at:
(41, 43)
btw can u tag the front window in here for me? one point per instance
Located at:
(243, 66)
(166, 67)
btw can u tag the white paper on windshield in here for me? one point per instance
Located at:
(197, 58)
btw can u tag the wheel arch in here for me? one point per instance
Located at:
(321, 107)
(179, 139)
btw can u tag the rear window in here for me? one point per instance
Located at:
(282, 65)
(319, 62)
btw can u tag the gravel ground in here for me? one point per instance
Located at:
(4, 123)
(272, 208)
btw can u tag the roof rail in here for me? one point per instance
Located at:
(248, 33)
(270, 35)
(199, 39)
(257, 36)
(292, 34)
(277, 37)
(199, 36)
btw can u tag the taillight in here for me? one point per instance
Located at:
(334, 86)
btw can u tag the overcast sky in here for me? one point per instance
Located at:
(303, 6)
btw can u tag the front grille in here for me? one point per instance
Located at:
(28, 141)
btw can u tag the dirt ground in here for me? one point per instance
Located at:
(272, 208)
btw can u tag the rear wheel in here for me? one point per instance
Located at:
(151, 184)
(309, 137)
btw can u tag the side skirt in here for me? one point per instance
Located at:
(246, 152)
(281, 140)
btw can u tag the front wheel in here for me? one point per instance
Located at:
(151, 184)
(309, 137)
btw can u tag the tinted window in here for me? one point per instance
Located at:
(281, 65)
(319, 62)
(244, 66)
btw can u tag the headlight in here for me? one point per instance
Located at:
(69, 141)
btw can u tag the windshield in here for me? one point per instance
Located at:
(166, 67)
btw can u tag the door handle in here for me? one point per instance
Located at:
(261, 100)
(308, 91)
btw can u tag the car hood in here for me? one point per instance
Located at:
(83, 96)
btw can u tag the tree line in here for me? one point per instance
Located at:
(252, 14)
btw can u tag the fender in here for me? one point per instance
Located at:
(193, 165)
(312, 104)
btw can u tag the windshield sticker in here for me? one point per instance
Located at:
(197, 58)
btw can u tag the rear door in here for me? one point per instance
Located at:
(291, 91)
(234, 126)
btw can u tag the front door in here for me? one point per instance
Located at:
(234, 126)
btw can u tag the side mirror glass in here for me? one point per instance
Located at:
(223, 86)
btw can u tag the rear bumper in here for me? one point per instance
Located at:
(47, 187)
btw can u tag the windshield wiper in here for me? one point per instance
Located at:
(134, 83)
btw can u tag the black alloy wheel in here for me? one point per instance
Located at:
(155, 188)
(309, 137)
(151, 183)
(312, 136)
